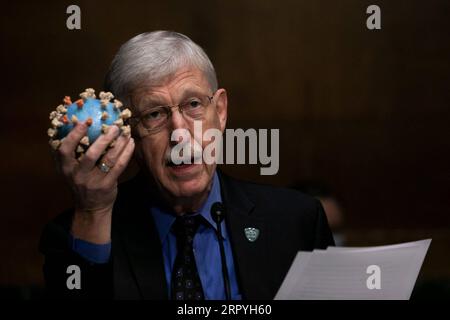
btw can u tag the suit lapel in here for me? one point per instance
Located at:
(142, 246)
(250, 258)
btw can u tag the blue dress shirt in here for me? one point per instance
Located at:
(205, 245)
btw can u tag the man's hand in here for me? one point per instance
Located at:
(95, 191)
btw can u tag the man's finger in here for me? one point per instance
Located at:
(110, 158)
(122, 162)
(95, 150)
(70, 142)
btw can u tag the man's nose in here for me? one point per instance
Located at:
(177, 120)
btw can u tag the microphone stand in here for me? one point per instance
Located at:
(218, 214)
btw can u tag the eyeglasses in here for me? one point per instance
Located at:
(154, 119)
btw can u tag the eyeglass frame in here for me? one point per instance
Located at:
(168, 108)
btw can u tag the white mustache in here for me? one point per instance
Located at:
(195, 155)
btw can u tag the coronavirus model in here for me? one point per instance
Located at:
(98, 114)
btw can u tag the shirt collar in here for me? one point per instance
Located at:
(164, 218)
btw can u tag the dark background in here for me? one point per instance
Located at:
(365, 112)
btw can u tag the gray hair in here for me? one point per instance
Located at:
(149, 58)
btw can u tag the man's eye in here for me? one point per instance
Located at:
(194, 104)
(152, 115)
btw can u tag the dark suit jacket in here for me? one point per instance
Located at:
(288, 221)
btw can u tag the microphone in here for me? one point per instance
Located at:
(218, 214)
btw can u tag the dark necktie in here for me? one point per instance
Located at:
(186, 284)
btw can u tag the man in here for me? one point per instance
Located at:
(154, 237)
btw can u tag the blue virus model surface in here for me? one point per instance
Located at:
(98, 114)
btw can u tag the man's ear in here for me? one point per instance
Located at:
(222, 107)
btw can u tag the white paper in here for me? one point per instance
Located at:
(341, 273)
